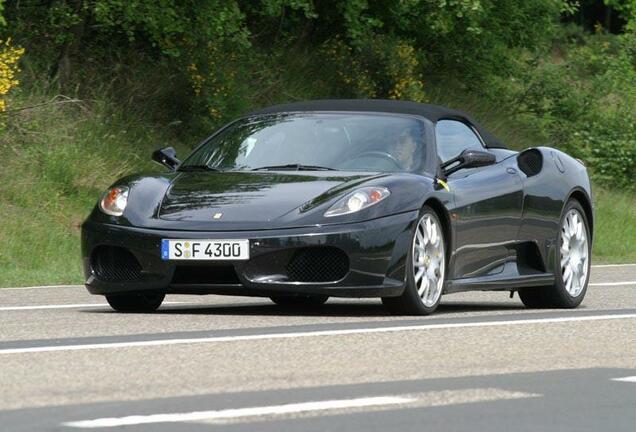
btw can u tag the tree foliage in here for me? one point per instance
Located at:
(521, 55)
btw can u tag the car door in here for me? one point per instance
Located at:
(487, 205)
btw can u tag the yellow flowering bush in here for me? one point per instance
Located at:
(351, 75)
(403, 71)
(218, 80)
(196, 79)
(9, 57)
(380, 67)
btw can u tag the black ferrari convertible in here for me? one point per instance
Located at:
(346, 198)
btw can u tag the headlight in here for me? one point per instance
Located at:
(358, 200)
(114, 201)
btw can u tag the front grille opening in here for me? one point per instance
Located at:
(115, 264)
(205, 274)
(318, 264)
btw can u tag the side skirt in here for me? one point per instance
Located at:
(511, 278)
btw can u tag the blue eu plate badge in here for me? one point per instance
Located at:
(165, 249)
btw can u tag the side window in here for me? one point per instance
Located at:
(453, 137)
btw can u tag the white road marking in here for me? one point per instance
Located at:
(307, 409)
(57, 306)
(316, 333)
(630, 379)
(613, 283)
(42, 286)
(613, 265)
(64, 306)
(241, 412)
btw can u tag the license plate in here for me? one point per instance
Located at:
(209, 250)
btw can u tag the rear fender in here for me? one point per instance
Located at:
(547, 187)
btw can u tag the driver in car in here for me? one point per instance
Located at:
(404, 149)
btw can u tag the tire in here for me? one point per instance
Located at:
(416, 298)
(570, 285)
(135, 302)
(300, 300)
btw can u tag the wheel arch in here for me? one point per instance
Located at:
(584, 200)
(443, 216)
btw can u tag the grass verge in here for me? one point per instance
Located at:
(615, 230)
(60, 157)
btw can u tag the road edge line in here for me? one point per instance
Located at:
(315, 333)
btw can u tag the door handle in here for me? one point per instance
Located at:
(511, 170)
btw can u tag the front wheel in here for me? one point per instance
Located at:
(299, 300)
(135, 302)
(425, 269)
(573, 264)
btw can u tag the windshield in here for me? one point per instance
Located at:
(345, 142)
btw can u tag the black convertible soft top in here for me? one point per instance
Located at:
(431, 112)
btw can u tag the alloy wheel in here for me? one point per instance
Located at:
(574, 253)
(429, 260)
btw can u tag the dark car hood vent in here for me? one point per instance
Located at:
(261, 198)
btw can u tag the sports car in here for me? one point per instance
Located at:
(346, 198)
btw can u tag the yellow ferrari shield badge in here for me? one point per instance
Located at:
(443, 184)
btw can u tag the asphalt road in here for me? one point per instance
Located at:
(483, 362)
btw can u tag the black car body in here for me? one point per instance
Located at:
(501, 217)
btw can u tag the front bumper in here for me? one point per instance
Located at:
(376, 251)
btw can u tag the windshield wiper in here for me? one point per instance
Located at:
(197, 168)
(294, 167)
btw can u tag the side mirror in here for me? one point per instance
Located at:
(469, 158)
(167, 157)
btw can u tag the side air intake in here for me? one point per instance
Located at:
(530, 162)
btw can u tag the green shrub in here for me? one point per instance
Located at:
(582, 99)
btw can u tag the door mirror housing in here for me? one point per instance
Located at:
(167, 157)
(469, 158)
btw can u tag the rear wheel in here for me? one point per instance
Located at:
(300, 300)
(425, 269)
(135, 302)
(573, 258)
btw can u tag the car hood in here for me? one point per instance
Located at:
(253, 200)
